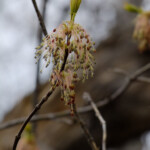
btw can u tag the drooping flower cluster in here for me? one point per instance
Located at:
(142, 26)
(142, 31)
(72, 39)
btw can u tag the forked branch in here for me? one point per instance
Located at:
(88, 98)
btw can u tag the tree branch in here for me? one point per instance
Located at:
(129, 79)
(37, 83)
(39, 17)
(88, 98)
(80, 110)
(139, 79)
(87, 134)
(38, 106)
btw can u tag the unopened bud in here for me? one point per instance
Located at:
(74, 6)
(132, 8)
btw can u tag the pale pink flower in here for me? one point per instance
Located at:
(73, 38)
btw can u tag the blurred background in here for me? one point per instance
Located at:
(21, 84)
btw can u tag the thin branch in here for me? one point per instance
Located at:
(37, 118)
(45, 117)
(37, 83)
(87, 134)
(39, 17)
(139, 79)
(88, 98)
(129, 79)
(38, 106)
(66, 53)
(143, 79)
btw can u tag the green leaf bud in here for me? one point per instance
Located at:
(74, 6)
(132, 8)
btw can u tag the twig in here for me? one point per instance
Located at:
(36, 91)
(85, 130)
(80, 110)
(140, 79)
(87, 97)
(66, 54)
(129, 79)
(39, 17)
(44, 117)
(38, 106)
(143, 79)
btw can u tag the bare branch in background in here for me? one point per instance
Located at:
(40, 17)
(35, 97)
(44, 117)
(139, 79)
(87, 134)
(88, 98)
(80, 110)
(130, 78)
(39, 33)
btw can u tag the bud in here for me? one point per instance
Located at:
(74, 6)
(142, 31)
(132, 8)
(27, 142)
(28, 133)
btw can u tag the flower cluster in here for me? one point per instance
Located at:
(142, 31)
(72, 39)
(142, 26)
